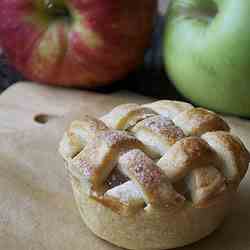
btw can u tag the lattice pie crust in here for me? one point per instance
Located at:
(155, 176)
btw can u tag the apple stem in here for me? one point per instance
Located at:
(56, 9)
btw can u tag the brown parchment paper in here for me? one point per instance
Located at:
(37, 210)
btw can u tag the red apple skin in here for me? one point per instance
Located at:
(104, 41)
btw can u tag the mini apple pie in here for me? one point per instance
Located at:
(156, 176)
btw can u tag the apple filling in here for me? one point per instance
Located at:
(116, 178)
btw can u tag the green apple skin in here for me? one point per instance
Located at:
(207, 53)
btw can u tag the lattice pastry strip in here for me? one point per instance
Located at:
(100, 156)
(233, 156)
(154, 184)
(205, 184)
(197, 121)
(184, 156)
(207, 166)
(169, 109)
(193, 121)
(79, 134)
(125, 199)
(158, 134)
(126, 115)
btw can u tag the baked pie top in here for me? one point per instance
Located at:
(154, 156)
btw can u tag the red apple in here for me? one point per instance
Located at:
(75, 42)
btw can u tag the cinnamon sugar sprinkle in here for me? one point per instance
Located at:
(142, 168)
(86, 168)
(162, 126)
(112, 137)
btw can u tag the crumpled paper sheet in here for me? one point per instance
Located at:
(37, 209)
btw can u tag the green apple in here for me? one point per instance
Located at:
(207, 52)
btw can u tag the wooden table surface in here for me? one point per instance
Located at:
(37, 210)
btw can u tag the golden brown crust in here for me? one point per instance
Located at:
(116, 205)
(192, 159)
(205, 184)
(124, 116)
(155, 186)
(101, 149)
(124, 199)
(79, 134)
(157, 129)
(100, 155)
(187, 154)
(234, 156)
(197, 121)
(151, 228)
(159, 159)
(89, 124)
(169, 109)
